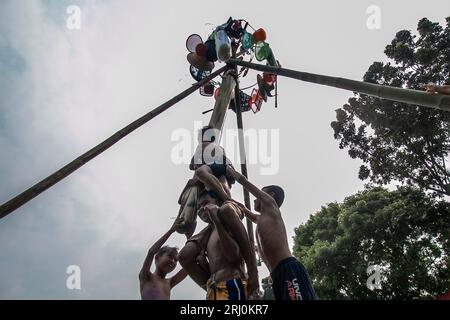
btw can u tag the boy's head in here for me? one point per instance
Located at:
(206, 198)
(207, 134)
(275, 192)
(166, 259)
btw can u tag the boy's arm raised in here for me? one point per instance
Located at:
(248, 213)
(250, 187)
(145, 271)
(177, 278)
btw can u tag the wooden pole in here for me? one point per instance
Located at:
(415, 97)
(223, 101)
(188, 205)
(54, 178)
(243, 158)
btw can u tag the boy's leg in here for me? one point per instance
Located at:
(223, 180)
(205, 175)
(188, 260)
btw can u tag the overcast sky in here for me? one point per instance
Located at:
(62, 91)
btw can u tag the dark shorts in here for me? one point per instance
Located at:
(291, 281)
(218, 169)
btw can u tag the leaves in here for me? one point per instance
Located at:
(396, 141)
(405, 232)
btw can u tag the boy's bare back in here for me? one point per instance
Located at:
(272, 235)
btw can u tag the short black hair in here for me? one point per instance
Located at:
(278, 193)
(164, 250)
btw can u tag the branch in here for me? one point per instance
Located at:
(434, 162)
(429, 187)
(434, 174)
(445, 168)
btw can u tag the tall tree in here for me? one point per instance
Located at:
(404, 233)
(396, 141)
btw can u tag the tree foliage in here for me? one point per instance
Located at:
(405, 233)
(397, 141)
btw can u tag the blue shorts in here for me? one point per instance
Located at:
(220, 169)
(233, 289)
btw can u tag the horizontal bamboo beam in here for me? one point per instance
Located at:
(415, 97)
(223, 101)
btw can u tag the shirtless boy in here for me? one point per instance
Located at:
(155, 285)
(214, 257)
(289, 277)
(210, 162)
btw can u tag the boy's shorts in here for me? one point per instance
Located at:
(233, 289)
(291, 281)
(220, 169)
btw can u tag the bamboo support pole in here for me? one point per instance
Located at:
(415, 97)
(62, 173)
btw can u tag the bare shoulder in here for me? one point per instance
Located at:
(269, 201)
(270, 208)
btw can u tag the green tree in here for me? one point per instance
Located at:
(404, 232)
(396, 141)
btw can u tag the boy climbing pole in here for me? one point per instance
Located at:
(214, 257)
(210, 162)
(290, 278)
